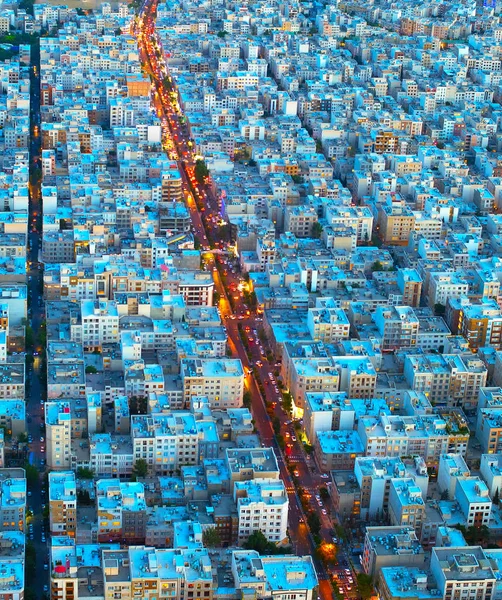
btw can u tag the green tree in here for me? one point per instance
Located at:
(201, 171)
(377, 266)
(365, 586)
(85, 473)
(316, 230)
(22, 438)
(31, 474)
(314, 523)
(211, 538)
(140, 468)
(287, 402)
(247, 399)
(90, 370)
(29, 338)
(222, 34)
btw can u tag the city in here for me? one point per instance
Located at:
(250, 300)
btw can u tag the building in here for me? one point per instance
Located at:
(13, 499)
(262, 505)
(58, 435)
(121, 511)
(277, 577)
(219, 380)
(338, 449)
(245, 464)
(63, 503)
(463, 571)
(491, 472)
(398, 327)
(390, 547)
(474, 499)
(406, 505)
(169, 441)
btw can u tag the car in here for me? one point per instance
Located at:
(324, 476)
(46, 588)
(318, 498)
(350, 580)
(42, 439)
(293, 437)
(296, 473)
(320, 504)
(334, 540)
(348, 571)
(29, 494)
(324, 511)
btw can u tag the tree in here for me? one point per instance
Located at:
(314, 523)
(140, 468)
(247, 399)
(31, 474)
(222, 34)
(287, 402)
(90, 370)
(257, 541)
(365, 586)
(316, 230)
(377, 266)
(85, 473)
(496, 498)
(201, 171)
(211, 538)
(29, 338)
(22, 438)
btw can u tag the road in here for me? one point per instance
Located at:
(34, 397)
(177, 144)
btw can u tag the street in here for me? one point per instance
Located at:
(178, 144)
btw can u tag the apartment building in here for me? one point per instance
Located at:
(13, 498)
(390, 547)
(374, 476)
(100, 323)
(169, 441)
(63, 503)
(262, 505)
(473, 497)
(121, 511)
(220, 380)
(462, 572)
(449, 379)
(491, 472)
(327, 323)
(398, 327)
(273, 576)
(452, 467)
(406, 504)
(58, 435)
(245, 464)
(338, 450)
(396, 221)
(327, 411)
(393, 435)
